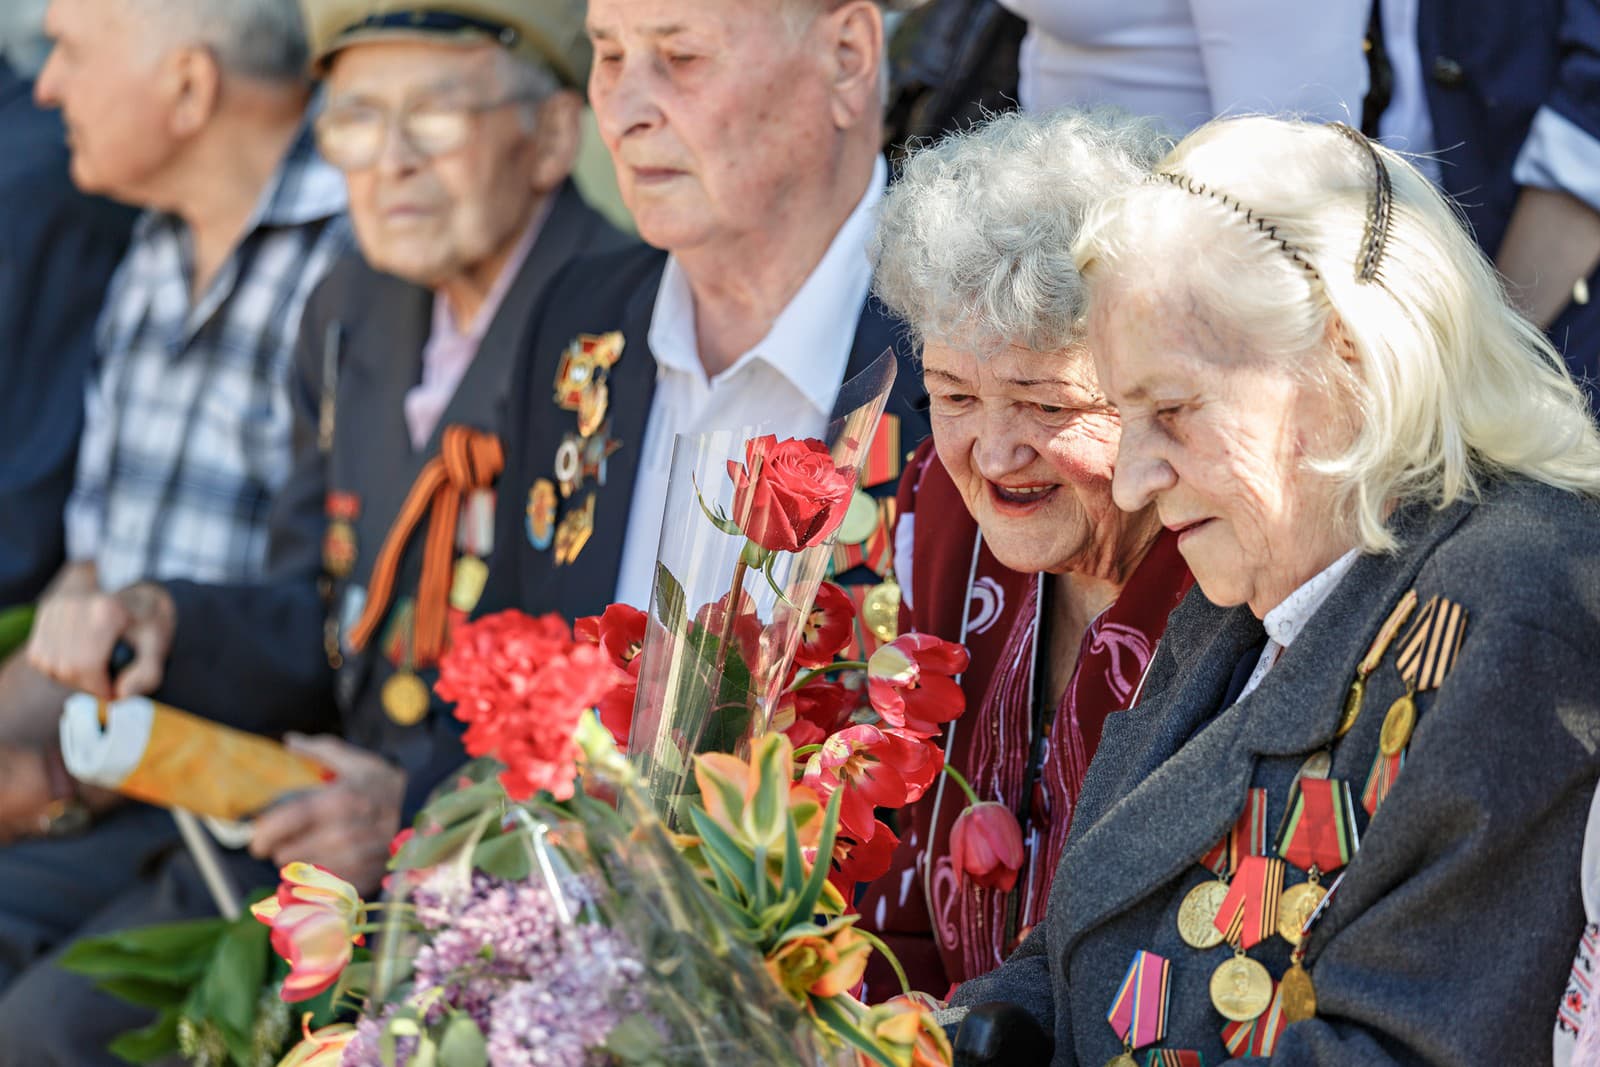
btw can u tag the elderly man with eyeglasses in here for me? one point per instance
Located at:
(456, 131)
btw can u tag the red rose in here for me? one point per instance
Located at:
(986, 845)
(789, 495)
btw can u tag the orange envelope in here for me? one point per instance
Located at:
(169, 758)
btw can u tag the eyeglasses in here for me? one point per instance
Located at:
(352, 136)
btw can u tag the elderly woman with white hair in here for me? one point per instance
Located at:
(1340, 824)
(1007, 538)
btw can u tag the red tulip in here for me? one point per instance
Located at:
(789, 495)
(620, 634)
(876, 769)
(317, 943)
(855, 862)
(829, 626)
(911, 683)
(986, 845)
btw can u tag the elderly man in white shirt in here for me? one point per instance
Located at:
(746, 140)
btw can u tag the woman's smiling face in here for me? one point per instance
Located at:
(1030, 441)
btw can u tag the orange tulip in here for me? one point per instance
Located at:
(824, 965)
(906, 1031)
(306, 883)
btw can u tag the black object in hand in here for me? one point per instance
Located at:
(998, 1033)
(121, 658)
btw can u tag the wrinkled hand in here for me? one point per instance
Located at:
(24, 793)
(77, 629)
(344, 827)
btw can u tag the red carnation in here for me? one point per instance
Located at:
(789, 495)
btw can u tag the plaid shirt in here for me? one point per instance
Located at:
(187, 416)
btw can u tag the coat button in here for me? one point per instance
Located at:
(1448, 73)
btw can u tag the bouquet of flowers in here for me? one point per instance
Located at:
(541, 911)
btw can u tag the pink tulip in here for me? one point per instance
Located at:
(986, 845)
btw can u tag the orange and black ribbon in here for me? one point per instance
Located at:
(1249, 913)
(468, 460)
(1430, 649)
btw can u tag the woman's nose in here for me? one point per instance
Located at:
(1140, 474)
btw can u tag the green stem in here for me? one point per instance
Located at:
(811, 676)
(961, 780)
(805, 750)
(883, 950)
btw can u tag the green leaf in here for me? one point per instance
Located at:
(635, 1041)
(720, 846)
(766, 569)
(844, 1025)
(767, 811)
(462, 805)
(228, 994)
(462, 1044)
(427, 1054)
(507, 856)
(154, 1042)
(794, 863)
(171, 951)
(806, 906)
(422, 852)
(145, 992)
(672, 605)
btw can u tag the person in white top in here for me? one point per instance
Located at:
(1183, 62)
(746, 139)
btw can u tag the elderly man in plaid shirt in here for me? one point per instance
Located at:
(197, 113)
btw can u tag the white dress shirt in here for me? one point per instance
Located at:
(1183, 62)
(786, 385)
(1284, 622)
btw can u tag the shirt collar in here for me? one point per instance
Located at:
(1284, 622)
(806, 330)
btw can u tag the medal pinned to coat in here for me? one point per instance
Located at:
(582, 386)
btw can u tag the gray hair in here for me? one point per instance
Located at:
(527, 78)
(974, 242)
(257, 38)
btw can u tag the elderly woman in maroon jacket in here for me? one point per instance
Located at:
(1008, 539)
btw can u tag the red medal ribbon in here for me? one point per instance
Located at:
(1259, 1036)
(1385, 769)
(1321, 830)
(1247, 838)
(1249, 913)
(1174, 1057)
(1139, 1014)
(883, 460)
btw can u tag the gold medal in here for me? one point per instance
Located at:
(569, 465)
(592, 408)
(1397, 726)
(405, 698)
(1352, 706)
(880, 611)
(1299, 995)
(576, 527)
(1241, 989)
(1317, 765)
(1197, 915)
(1295, 907)
(1122, 1059)
(860, 521)
(466, 589)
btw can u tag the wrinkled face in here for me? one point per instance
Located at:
(712, 111)
(1030, 441)
(1216, 435)
(421, 215)
(108, 78)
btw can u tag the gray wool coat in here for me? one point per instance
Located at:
(1450, 939)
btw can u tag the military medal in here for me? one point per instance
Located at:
(1425, 658)
(1299, 995)
(1249, 913)
(1320, 832)
(860, 520)
(541, 517)
(569, 465)
(1174, 1057)
(475, 528)
(1241, 989)
(339, 538)
(466, 587)
(875, 550)
(1198, 913)
(1257, 1036)
(586, 363)
(1139, 1012)
(883, 460)
(405, 698)
(880, 611)
(1298, 904)
(1369, 663)
(596, 450)
(574, 531)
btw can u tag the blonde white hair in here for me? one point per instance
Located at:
(1451, 386)
(974, 242)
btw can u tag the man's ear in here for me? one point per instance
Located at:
(853, 36)
(193, 78)
(560, 123)
(1341, 344)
